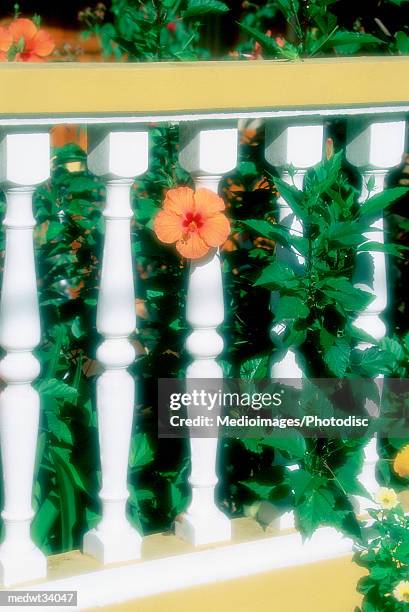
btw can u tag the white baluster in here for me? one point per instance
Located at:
(374, 147)
(299, 146)
(206, 154)
(24, 163)
(118, 157)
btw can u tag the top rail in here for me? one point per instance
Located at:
(52, 92)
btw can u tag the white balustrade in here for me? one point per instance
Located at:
(207, 153)
(208, 149)
(118, 157)
(374, 147)
(298, 146)
(24, 163)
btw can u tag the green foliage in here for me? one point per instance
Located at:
(322, 27)
(153, 30)
(318, 302)
(386, 558)
(204, 7)
(319, 297)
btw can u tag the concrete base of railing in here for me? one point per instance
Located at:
(27, 565)
(201, 531)
(174, 565)
(113, 547)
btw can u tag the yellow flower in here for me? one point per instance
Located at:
(401, 591)
(401, 463)
(387, 498)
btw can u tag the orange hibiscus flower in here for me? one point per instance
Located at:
(28, 42)
(192, 220)
(6, 40)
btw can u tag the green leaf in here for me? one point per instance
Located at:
(68, 153)
(54, 229)
(347, 42)
(44, 519)
(261, 490)
(377, 203)
(292, 196)
(76, 328)
(316, 510)
(301, 481)
(247, 169)
(381, 247)
(145, 210)
(345, 295)
(141, 453)
(57, 389)
(267, 42)
(255, 367)
(402, 42)
(82, 183)
(327, 340)
(291, 307)
(294, 337)
(77, 479)
(370, 184)
(67, 497)
(292, 444)
(270, 45)
(321, 179)
(378, 573)
(58, 428)
(393, 346)
(145, 494)
(277, 276)
(204, 7)
(346, 233)
(178, 500)
(385, 472)
(348, 472)
(337, 357)
(91, 517)
(372, 362)
(58, 333)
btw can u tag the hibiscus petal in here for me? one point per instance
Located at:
(193, 247)
(43, 44)
(167, 226)
(207, 202)
(179, 200)
(3, 56)
(6, 39)
(28, 57)
(22, 28)
(215, 230)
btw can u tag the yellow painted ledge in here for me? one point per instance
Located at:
(230, 86)
(324, 586)
(327, 586)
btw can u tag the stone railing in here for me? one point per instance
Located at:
(117, 104)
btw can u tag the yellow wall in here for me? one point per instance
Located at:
(145, 88)
(327, 586)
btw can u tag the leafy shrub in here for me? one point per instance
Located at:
(386, 557)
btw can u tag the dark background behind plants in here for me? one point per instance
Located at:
(69, 241)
